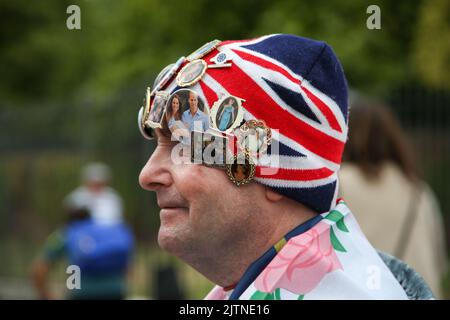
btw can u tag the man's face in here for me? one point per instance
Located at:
(193, 102)
(201, 210)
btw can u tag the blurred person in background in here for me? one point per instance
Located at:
(94, 238)
(102, 201)
(396, 209)
(101, 251)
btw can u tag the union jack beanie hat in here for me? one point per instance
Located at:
(297, 87)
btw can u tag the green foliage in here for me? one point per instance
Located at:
(125, 44)
(374, 60)
(432, 45)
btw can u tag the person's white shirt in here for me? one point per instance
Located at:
(105, 206)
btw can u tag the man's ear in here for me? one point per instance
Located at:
(272, 195)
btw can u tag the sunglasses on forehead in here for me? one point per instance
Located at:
(180, 113)
(147, 116)
(185, 115)
(211, 137)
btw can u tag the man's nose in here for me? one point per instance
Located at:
(156, 172)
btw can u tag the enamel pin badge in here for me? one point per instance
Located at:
(227, 113)
(166, 75)
(203, 50)
(221, 60)
(157, 110)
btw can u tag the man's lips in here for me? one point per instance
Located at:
(173, 211)
(170, 206)
(170, 200)
(166, 209)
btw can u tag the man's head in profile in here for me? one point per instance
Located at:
(282, 234)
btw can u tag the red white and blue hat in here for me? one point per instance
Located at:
(296, 86)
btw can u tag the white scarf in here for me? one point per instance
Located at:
(331, 260)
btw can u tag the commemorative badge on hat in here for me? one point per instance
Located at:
(148, 118)
(196, 67)
(241, 171)
(186, 111)
(222, 58)
(227, 113)
(191, 73)
(157, 110)
(254, 137)
(203, 50)
(167, 74)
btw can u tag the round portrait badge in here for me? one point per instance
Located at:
(191, 73)
(241, 172)
(186, 112)
(227, 113)
(254, 136)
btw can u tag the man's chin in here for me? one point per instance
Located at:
(164, 241)
(169, 241)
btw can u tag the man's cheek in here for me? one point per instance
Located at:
(189, 181)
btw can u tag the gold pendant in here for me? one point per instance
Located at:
(191, 73)
(254, 137)
(241, 171)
